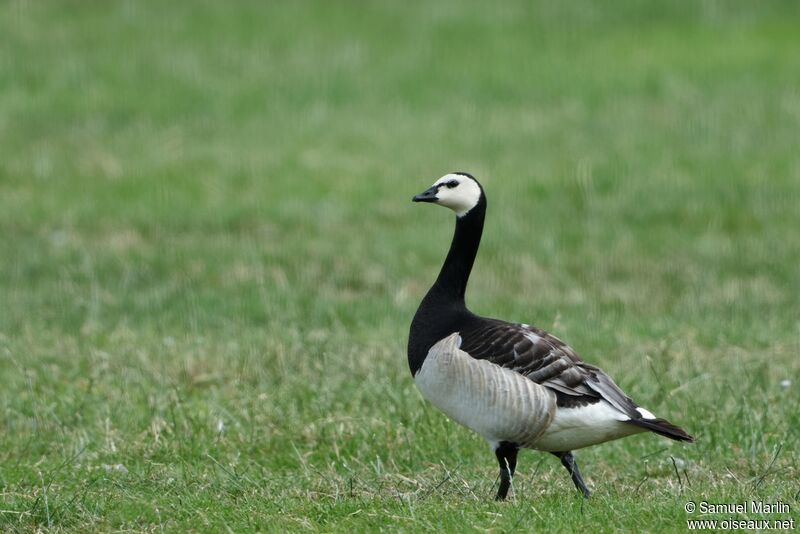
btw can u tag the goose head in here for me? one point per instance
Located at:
(458, 191)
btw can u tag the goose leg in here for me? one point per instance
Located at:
(568, 461)
(507, 458)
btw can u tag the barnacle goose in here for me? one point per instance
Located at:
(514, 384)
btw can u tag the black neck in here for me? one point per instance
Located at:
(443, 310)
(451, 283)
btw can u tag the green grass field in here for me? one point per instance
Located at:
(209, 258)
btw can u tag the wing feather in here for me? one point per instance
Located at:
(546, 360)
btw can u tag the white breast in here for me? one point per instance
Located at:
(497, 403)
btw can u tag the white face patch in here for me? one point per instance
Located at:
(457, 192)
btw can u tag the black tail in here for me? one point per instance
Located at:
(663, 427)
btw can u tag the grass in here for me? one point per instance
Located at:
(209, 258)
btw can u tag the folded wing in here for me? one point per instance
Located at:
(548, 361)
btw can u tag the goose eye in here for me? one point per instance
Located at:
(451, 184)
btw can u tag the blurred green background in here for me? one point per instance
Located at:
(209, 258)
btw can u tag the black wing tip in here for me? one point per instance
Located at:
(664, 428)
